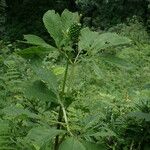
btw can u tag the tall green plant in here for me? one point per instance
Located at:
(71, 41)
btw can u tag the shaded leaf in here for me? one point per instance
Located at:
(36, 40)
(93, 146)
(40, 136)
(47, 76)
(1, 59)
(91, 121)
(146, 146)
(6, 140)
(33, 52)
(14, 111)
(119, 62)
(71, 143)
(140, 115)
(146, 86)
(4, 127)
(39, 90)
(98, 72)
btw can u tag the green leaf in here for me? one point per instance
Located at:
(98, 72)
(14, 112)
(87, 38)
(140, 115)
(147, 86)
(39, 90)
(53, 24)
(1, 59)
(91, 121)
(36, 40)
(58, 70)
(93, 41)
(71, 143)
(119, 62)
(105, 132)
(106, 40)
(68, 18)
(4, 127)
(33, 52)
(93, 146)
(6, 139)
(41, 136)
(47, 76)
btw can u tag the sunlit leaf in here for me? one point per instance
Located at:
(68, 18)
(93, 41)
(53, 24)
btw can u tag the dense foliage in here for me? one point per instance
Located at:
(79, 89)
(106, 13)
(101, 14)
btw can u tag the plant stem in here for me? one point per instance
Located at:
(61, 108)
(65, 78)
(56, 146)
(76, 58)
(71, 77)
(66, 120)
(132, 144)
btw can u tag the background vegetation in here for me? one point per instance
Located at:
(107, 105)
(101, 14)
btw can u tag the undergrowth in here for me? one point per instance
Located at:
(72, 96)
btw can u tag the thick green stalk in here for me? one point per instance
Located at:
(61, 109)
(71, 77)
(65, 78)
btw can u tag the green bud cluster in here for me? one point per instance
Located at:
(74, 32)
